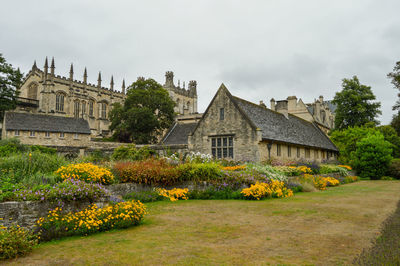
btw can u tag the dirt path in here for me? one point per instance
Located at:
(322, 228)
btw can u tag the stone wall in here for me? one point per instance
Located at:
(26, 213)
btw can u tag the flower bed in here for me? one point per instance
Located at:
(87, 172)
(274, 189)
(174, 194)
(90, 220)
(15, 241)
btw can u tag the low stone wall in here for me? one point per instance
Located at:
(26, 213)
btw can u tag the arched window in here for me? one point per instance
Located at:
(60, 102)
(91, 106)
(76, 109)
(32, 91)
(103, 110)
(83, 108)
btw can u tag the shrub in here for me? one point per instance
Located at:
(394, 168)
(90, 220)
(373, 156)
(42, 149)
(11, 146)
(87, 172)
(15, 241)
(174, 194)
(330, 168)
(274, 188)
(198, 158)
(213, 193)
(97, 156)
(267, 170)
(145, 196)
(150, 172)
(20, 166)
(69, 190)
(309, 167)
(199, 172)
(131, 153)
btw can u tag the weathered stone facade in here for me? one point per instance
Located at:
(44, 92)
(321, 112)
(254, 133)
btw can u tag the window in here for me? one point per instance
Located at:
(91, 104)
(62, 135)
(16, 133)
(316, 154)
(221, 114)
(76, 136)
(298, 152)
(103, 110)
(222, 147)
(32, 91)
(32, 133)
(76, 109)
(83, 108)
(289, 151)
(278, 149)
(307, 150)
(59, 102)
(47, 134)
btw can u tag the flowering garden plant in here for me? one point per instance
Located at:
(274, 189)
(15, 241)
(90, 220)
(87, 172)
(174, 194)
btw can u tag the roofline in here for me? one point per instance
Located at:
(297, 144)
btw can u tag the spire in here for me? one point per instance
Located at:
(46, 66)
(112, 83)
(99, 80)
(34, 65)
(85, 76)
(71, 72)
(179, 83)
(183, 84)
(52, 67)
(123, 86)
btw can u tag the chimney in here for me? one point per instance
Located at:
(262, 104)
(272, 104)
(292, 102)
(321, 99)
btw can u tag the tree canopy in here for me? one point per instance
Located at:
(147, 112)
(355, 106)
(395, 77)
(10, 81)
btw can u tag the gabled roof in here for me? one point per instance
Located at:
(278, 127)
(178, 133)
(50, 123)
(331, 106)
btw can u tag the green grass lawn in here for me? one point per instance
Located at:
(327, 227)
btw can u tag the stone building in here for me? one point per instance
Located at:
(236, 129)
(44, 92)
(321, 112)
(185, 99)
(49, 130)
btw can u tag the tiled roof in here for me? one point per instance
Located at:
(50, 123)
(178, 133)
(277, 127)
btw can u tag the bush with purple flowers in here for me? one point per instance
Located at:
(69, 190)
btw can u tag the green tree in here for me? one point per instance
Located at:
(147, 112)
(354, 105)
(10, 82)
(395, 77)
(390, 135)
(395, 123)
(373, 156)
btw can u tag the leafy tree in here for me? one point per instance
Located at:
(395, 77)
(147, 112)
(390, 135)
(354, 105)
(373, 156)
(395, 123)
(10, 81)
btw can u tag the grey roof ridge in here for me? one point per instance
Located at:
(171, 128)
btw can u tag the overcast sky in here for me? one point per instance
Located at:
(258, 48)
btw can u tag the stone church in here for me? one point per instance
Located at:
(53, 99)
